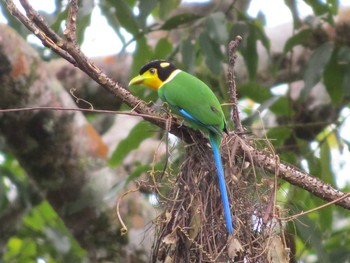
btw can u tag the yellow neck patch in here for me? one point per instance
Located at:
(152, 81)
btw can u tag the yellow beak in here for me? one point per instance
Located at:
(137, 80)
(149, 80)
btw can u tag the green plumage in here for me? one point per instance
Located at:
(187, 92)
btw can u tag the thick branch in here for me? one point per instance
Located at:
(293, 175)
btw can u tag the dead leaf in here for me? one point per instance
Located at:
(277, 253)
(234, 247)
(170, 239)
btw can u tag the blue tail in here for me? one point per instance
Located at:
(224, 197)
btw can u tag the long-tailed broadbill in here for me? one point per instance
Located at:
(190, 98)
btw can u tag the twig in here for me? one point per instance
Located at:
(314, 209)
(124, 228)
(47, 41)
(77, 99)
(71, 28)
(39, 20)
(232, 84)
(161, 118)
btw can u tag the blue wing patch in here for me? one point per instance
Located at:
(191, 118)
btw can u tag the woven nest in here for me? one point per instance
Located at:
(192, 227)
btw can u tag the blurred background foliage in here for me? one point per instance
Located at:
(300, 93)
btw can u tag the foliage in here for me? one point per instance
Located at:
(198, 43)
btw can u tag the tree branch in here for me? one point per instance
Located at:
(232, 84)
(71, 29)
(293, 175)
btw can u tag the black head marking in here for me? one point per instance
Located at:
(163, 67)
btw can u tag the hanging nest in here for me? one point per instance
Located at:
(192, 227)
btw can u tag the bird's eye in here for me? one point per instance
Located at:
(152, 71)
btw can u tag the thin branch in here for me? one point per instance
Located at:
(47, 41)
(232, 84)
(289, 218)
(39, 20)
(129, 113)
(71, 29)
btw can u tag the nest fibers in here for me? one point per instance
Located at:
(192, 226)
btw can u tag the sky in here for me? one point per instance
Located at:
(95, 35)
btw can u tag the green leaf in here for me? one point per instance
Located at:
(255, 91)
(343, 60)
(212, 53)
(137, 135)
(326, 164)
(12, 21)
(333, 6)
(242, 29)
(108, 12)
(251, 31)
(165, 7)
(143, 53)
(316, 66)
(217, 29)
(298, 39)
(293, 7)
(281, 107)
(312, 236)
(84, 18)
(250, 53)
(163, 49)
(62, 16)
(125, 16)
(278, 135)
(176, 21)
(325, 216)
(323, 167)
(20, 250)
(333, 78)
(261, 35)
(346, 82)
(188, 55)
(145, 7)
(325, 10)
(318, 7)
(83, 23)
(13, 247)
(41, 216)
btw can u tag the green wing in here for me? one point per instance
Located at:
(187, 92)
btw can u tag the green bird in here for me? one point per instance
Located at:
(192, 99)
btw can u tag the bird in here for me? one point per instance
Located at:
(193, 100)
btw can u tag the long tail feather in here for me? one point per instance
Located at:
(215, 142)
